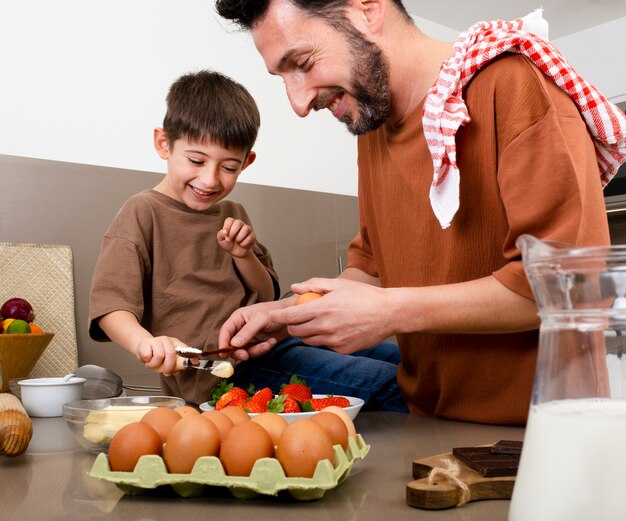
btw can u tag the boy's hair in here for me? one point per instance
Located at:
(246, 13)
(208, 106)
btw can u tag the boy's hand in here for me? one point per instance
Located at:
(158, 351)
(236, 237)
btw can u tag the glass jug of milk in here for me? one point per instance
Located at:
(573, 463)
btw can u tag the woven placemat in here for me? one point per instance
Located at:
(43, 275)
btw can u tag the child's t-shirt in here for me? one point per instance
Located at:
(160, 260)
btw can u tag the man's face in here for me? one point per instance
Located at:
(325, 67)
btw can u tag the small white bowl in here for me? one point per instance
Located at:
(45, 397)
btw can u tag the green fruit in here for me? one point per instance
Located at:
(17, 327)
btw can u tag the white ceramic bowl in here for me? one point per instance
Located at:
(352, 410)
(45, 397)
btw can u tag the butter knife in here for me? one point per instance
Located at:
(194, 352)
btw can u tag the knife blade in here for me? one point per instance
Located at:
(194, 352)
(206, 365)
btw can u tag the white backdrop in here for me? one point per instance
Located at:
(85, 82)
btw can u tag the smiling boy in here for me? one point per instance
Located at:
(178, 259)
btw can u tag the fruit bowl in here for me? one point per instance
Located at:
(94, 422)
(19, 354)
(352, 410)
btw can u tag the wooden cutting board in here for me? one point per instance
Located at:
(444, 493)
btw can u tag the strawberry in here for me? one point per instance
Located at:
(296, 389)
(239, 401)
(291, 405)
(283, 404)
(224, 394)
(258, 402)
(317, 404)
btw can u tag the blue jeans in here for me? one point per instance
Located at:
(370, 374)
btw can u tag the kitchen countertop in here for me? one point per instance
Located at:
(49, 481)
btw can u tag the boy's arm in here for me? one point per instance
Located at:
(238, 239)
(123, 328)
(255, 276)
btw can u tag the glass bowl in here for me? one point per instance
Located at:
(95, 422)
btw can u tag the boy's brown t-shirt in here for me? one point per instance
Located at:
(527, 165)
(161, 262)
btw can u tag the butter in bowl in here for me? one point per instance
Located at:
(95, 422)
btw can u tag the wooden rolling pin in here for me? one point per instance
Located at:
(16, 429)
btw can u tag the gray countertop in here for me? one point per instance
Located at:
(50, 482)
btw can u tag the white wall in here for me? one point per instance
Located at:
(85, 82)
(599, 55)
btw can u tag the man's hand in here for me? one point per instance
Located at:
(351, 315)
(252, 329)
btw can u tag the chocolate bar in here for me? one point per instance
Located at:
(489, 463)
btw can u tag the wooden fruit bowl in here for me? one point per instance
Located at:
(19, 354)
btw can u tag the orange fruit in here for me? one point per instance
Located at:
(307, 297)
(34, 328)
(6, 322)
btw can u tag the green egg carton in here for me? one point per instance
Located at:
(267, 476)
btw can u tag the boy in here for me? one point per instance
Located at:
(161, 280)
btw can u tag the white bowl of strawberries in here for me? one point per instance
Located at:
(294, 401)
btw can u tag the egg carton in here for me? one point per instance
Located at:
(267, 476)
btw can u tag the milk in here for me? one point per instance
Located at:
(573, 464)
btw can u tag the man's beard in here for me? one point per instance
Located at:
(370, 80)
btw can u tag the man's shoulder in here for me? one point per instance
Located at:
(507, 67)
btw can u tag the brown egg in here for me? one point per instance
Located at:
(307, 297)
(245, 444)
(303, 444)
(344, 416)
(272, 423)
(130, 443)
(223, 423)
(334, 426)
(192, 437)
(236, 414)
(186, 410)
(161, 419)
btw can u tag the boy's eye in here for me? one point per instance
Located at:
(196, 161)
(230, 169)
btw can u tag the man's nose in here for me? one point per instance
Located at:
(301, 97)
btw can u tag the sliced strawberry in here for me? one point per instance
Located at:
(317, 404)
(283, 404)
(296, 389)
(258, 402)
(230, 395)
(291, 405)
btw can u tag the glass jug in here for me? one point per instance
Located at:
(573, 463)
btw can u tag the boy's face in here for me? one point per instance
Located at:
(199, 174)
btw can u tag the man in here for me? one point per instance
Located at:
(453, 293)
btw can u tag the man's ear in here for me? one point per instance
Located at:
(371, 14)
(161, 143)
(249, 160)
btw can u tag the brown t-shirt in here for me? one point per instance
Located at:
(527, 165)
(161, 262)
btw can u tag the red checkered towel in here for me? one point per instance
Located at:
(445, 110)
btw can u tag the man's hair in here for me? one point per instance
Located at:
(208, 106)
(246, 13)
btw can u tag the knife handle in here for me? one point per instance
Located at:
(181, 364)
